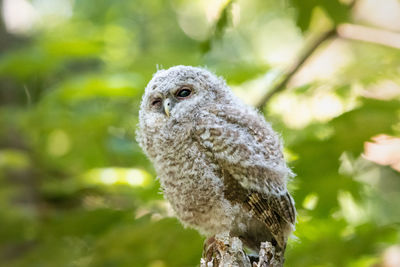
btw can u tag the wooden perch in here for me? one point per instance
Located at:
(226, 251)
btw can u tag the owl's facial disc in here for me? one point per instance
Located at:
(166, 101)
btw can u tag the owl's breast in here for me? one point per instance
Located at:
(191, 183)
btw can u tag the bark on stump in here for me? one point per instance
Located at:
(228, 251)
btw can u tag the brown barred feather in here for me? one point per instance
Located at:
(272, 210)
(265, 210)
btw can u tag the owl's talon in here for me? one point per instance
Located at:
(213, 250)
(210, 248)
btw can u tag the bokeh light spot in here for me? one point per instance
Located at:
(58, 143)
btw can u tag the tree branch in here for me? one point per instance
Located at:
(345, 31)
(303, 58)
(296, 66)
(368, 34)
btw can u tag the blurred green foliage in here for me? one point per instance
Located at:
(75, 188)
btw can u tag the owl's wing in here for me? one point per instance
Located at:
(255, 162)
(276, 212)
(256, 167)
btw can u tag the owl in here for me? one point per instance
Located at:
(219, 163)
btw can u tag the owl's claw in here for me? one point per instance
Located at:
(213, 249)
(209, 248)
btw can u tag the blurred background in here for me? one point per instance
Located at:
(75, 188)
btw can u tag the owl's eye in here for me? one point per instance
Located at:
(156, 102)
(184, 92)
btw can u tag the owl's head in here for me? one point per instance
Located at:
(177, 93)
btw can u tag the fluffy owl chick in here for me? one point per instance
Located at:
(219, 162)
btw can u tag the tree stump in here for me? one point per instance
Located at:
(226, 251)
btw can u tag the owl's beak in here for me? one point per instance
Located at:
(167, 106)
